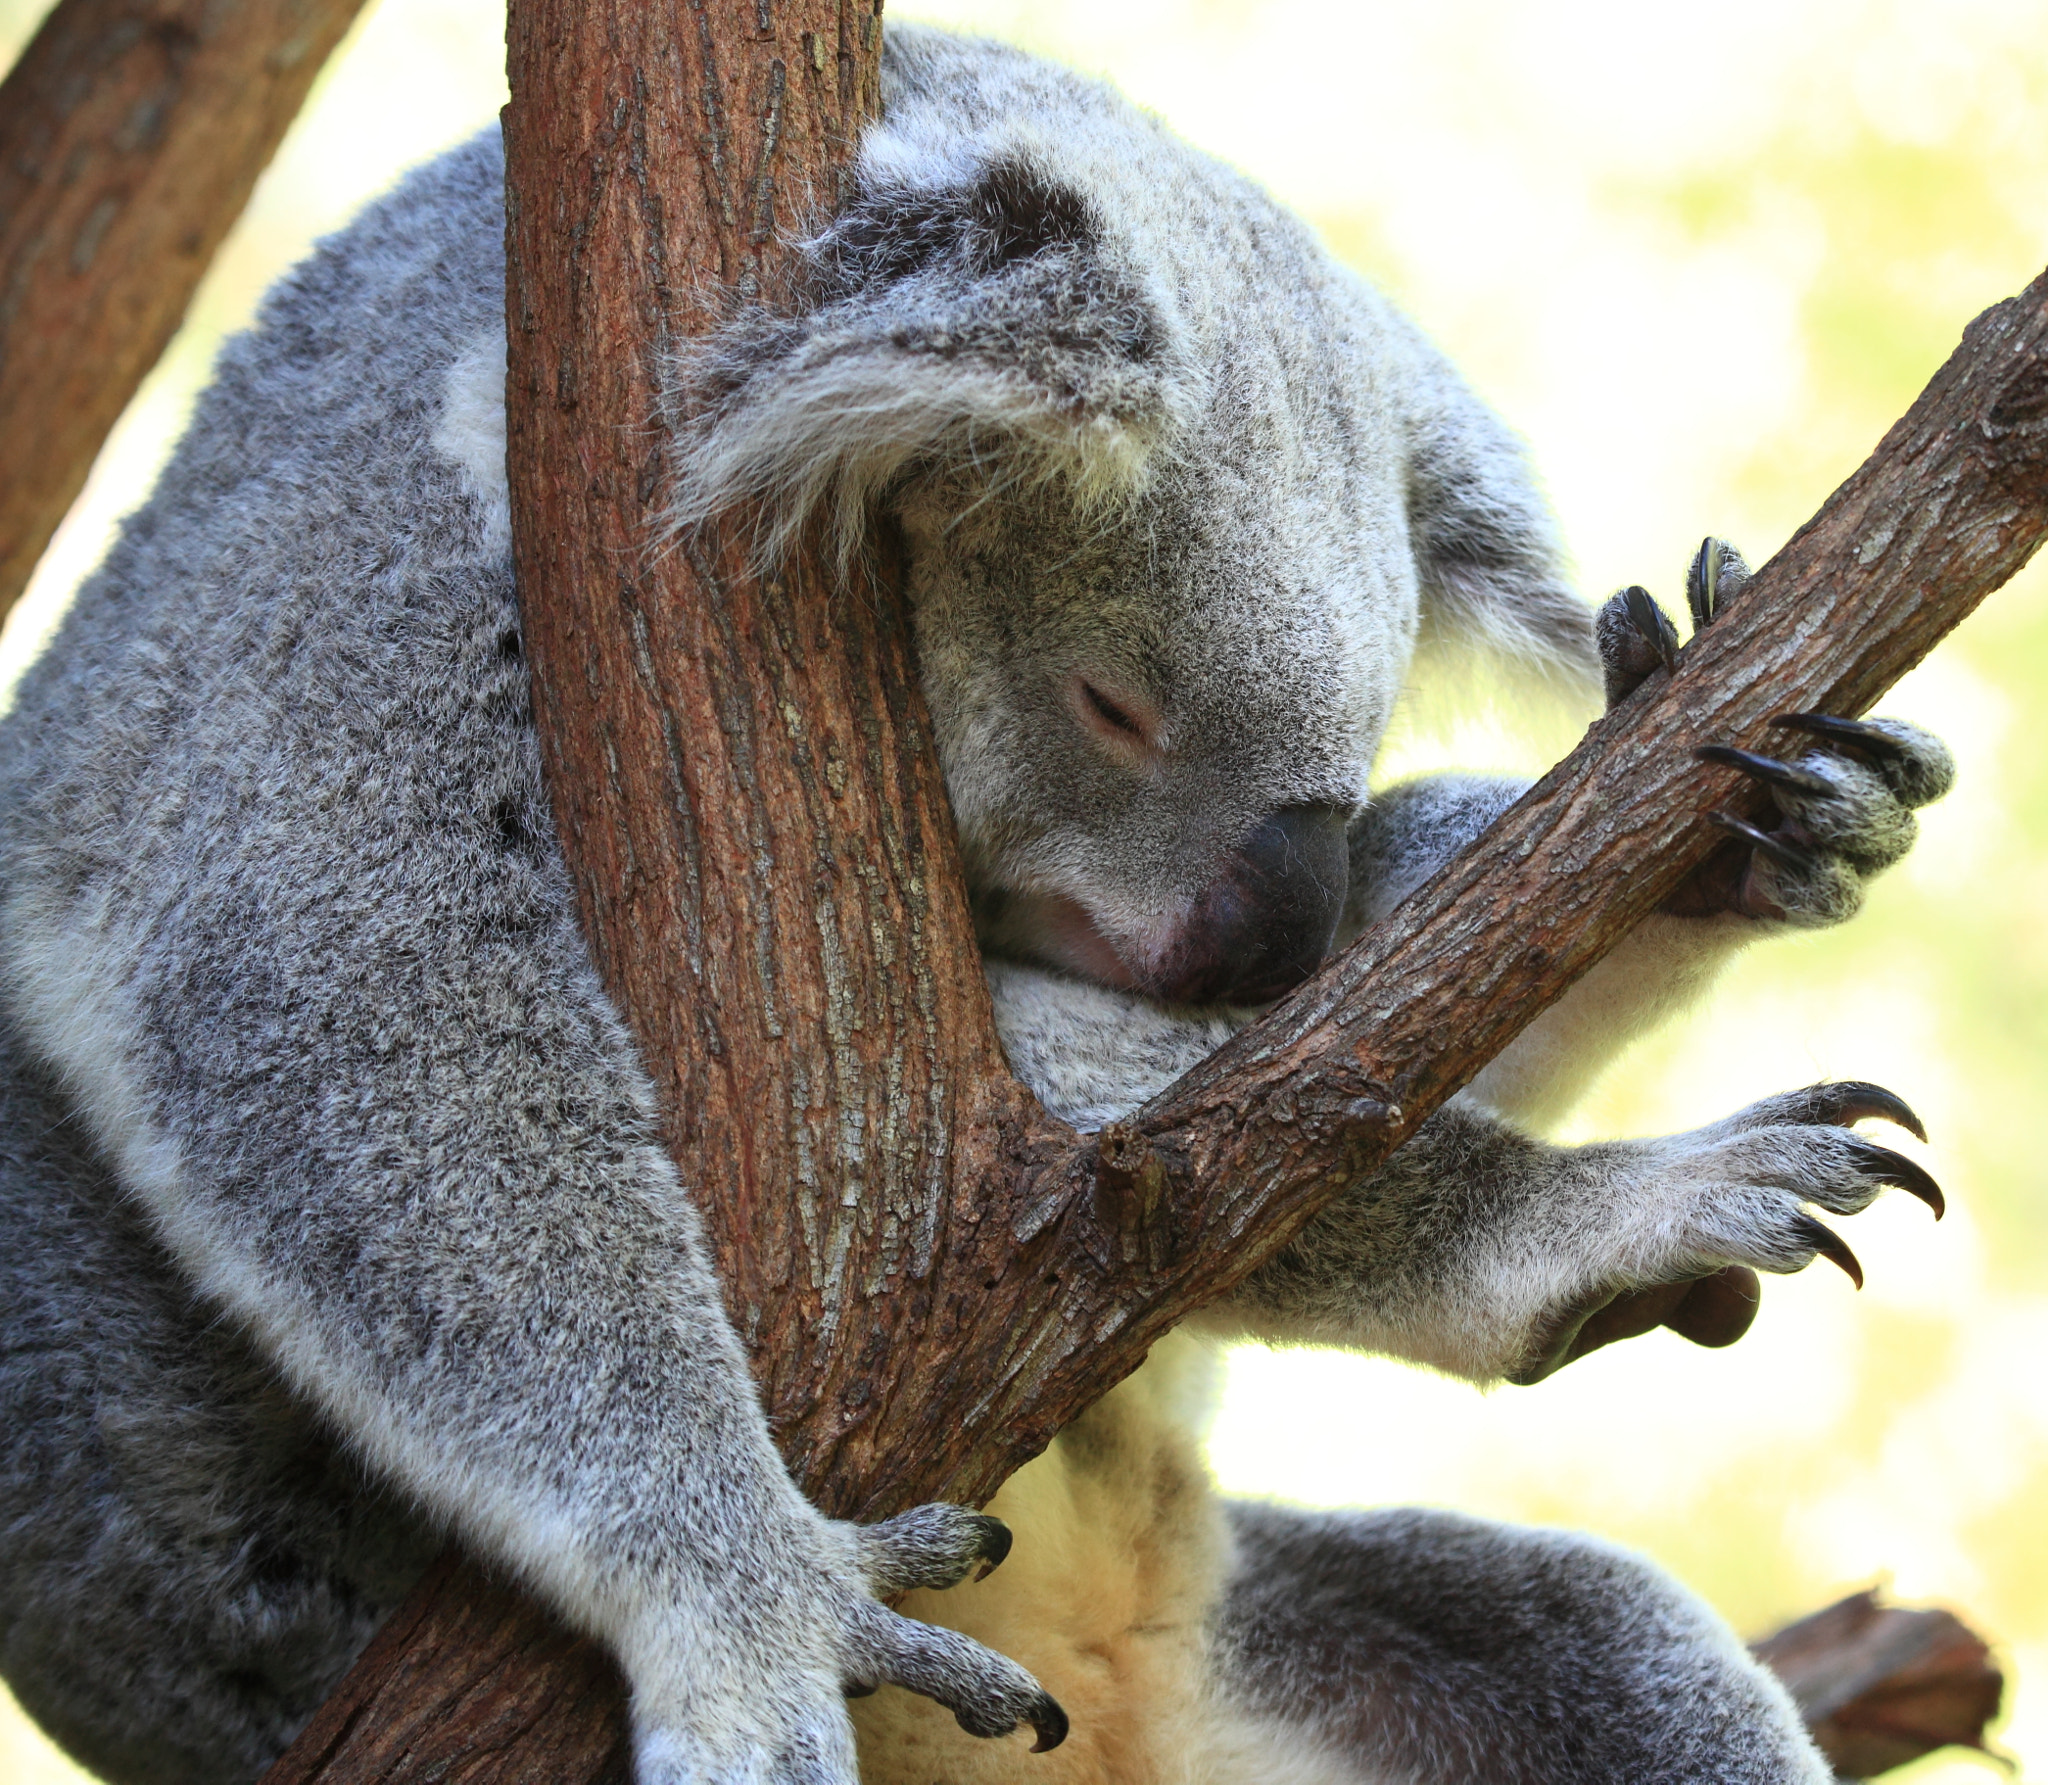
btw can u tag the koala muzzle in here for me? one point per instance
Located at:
(1265, 923)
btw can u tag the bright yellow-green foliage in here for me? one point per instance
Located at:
(1703, 258)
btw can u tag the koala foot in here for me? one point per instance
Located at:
(1844, 807)
(1713, 1207)
(756, 1700)
(939, 1546)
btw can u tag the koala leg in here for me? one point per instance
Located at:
(1410, 1647)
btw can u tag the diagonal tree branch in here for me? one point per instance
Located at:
(131, 133)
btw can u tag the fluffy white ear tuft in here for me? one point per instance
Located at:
(957, 320)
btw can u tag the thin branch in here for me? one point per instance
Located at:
(131, 133)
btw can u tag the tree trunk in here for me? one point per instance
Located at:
(131, 132)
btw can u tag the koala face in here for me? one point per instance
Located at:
(1156, 723)
(1182, 499)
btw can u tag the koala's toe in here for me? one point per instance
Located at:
(1916, 765)
(932, 1546)
(1833, 1103)
(988, 1694)
(1768, 770)
(1634, 637)
(1712, 580)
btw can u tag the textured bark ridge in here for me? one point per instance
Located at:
(131, 132)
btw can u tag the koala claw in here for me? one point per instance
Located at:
(1048, 1722)
(1917, 767)
(1767, 769)
(1652, 622)
(1780, 849)
(1835, 1103)
(1860, 734)
(1828, 1244)
(1884, 1166)
(1713, 579)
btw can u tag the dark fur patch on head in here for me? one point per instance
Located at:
(1010, 212)
(1022, 213)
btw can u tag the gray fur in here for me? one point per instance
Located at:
(1451, 1648)
(336, 1214)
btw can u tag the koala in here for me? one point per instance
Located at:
(337, 1221)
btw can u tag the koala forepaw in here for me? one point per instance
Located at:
(1725, 1202)
(1635, 635)
(1845, 811)
(1844, 808)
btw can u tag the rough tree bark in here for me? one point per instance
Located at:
(131, 133)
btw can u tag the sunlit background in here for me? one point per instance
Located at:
(1702, 257)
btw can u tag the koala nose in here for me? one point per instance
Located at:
(1266, 922)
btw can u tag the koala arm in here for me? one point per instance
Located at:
(1478, 1248)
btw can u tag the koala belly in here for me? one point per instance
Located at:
(1121, 1556)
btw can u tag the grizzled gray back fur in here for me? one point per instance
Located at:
(336, 1217)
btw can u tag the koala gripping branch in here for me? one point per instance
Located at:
(934, 1276)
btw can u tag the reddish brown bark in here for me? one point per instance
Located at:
(1880, 1686)
(469, 1682)
(131, 132)
(933, 1275)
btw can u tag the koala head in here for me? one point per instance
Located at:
(1181, 500)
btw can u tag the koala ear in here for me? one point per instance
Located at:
(1487, 556)
(965, 314)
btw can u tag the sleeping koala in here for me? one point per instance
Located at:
(337, 1218)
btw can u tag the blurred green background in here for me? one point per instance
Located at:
(1702, 258)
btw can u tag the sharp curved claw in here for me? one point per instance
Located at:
(1703, 584)
(1046, 1717)
(1857, 733)
(1767, 769)
(1851, 1100)
(1830, 1245)
(996, 1539)
(1653, 623)
(1716, 575)
(1787, 854)
(1888, 1167)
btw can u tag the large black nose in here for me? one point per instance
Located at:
(1266, 922)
